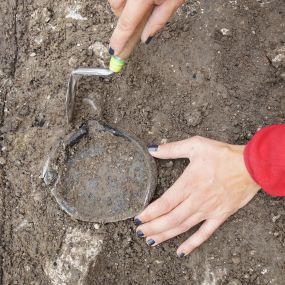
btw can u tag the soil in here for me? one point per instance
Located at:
(216, 70)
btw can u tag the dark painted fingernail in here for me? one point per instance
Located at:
(111, 51)
(150, 242)
(182, 254)
(137, 221)
(148, 40)
(140, 234)
(152, 147)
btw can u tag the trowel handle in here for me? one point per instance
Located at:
(117, 62)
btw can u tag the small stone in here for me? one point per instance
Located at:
(38, 40)
(169, 164)
(252, 252)
(46, 15)
(73, 61)
(33, 54)
(225, 32)
(96, 226)
(100, 52)
(2, 160)
(264, 271)
(275, 218)
(236, 260)
(277, 57)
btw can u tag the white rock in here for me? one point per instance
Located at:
(2, 160)
(225, 31)
(96, 226)
(73, 13)
(79, 250)
(278, 57)
(100, 52)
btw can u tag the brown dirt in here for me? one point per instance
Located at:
(191, 79)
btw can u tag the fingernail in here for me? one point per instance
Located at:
(182, 254)
(150, 242)
(140, 234)
(111, 51)
(148, 40)
(152, 147)
(137, 221)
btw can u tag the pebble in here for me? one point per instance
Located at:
(252, 252)
(96, 226)
(275, 218)
(169, 164)
(46, 15)
(225, 31)
(72, 61)
(2, 160)
(236, 259)
(100, 51)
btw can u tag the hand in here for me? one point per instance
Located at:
(132, 12)
(214, 186)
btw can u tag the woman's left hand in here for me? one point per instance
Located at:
(214, 186)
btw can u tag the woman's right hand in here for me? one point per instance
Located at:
(131, 13)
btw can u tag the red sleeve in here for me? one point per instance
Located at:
(264, 157)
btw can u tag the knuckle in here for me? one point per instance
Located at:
(165, 203)
(173, 219)
(184, 227)
(125, 24)
(172, 149)
(158, 2)
(204, 234)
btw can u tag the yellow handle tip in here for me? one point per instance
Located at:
(116, 64)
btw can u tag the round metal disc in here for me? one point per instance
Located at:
(101, 174)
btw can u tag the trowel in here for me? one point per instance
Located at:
(98, 172)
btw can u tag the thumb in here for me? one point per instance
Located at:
(179, 149)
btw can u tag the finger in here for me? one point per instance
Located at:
(168, 201)
(179, 149)
(131, 16)
(170, 220)
(154, 240)
(204, 232)
(117, 6)
(160, 16)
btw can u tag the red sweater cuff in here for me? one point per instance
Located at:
(264, 158)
